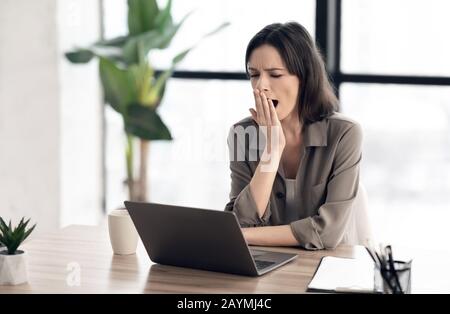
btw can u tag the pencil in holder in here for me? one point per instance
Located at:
(393, 281)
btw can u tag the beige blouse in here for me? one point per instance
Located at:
(318, 203)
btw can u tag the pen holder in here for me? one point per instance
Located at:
(393, 281)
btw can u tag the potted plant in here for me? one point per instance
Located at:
(131, 86)
(13, 270)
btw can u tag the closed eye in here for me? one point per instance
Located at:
(256, 75)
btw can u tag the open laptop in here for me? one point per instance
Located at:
(200, 238)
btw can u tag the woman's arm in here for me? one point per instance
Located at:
(270, 236)
(326, 229)
(262, 181)
(250, 193)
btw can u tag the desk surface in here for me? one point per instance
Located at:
(56, 259)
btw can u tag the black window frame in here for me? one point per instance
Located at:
(328, 38)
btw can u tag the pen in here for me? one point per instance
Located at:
(372, 255)
(388, 250)
(383, 267)
(380, 260)
(382, 264)
(383, 255)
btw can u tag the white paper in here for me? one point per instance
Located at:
(344, 275)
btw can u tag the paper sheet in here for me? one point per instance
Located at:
(344, 275)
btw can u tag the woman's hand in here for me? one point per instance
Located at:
(270, 236)
(264, 176)
(267, 119)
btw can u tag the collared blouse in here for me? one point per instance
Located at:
(317, 204)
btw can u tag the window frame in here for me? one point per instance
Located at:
(328, 38)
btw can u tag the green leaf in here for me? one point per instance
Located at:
(219, 28)
(118, 86)
(28, 232)
(160, 82)
(155, 94)
(138, 47)
(3, 226)
(181, 56)
(13, 247)
(22, 225)
(13, 237)
(145, 123)
(79, 56)
(142, 75)
(170, 31)
(109, 52)
(164, 18)
(114, 42)
(141, 15)
(86, 54)
(161, 95)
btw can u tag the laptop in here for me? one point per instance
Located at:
(200, 238)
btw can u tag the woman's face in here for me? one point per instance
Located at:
(269, 74)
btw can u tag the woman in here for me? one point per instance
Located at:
(300, 187)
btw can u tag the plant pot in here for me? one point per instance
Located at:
(13, 268)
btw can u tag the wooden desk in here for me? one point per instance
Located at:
(54, 260)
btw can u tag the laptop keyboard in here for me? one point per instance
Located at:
(263, 264)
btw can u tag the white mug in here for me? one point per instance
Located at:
(122, 233)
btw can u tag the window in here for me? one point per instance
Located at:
(224, 51)
(402, 37)
(199, 113)
(406, 159)
(372, 47)
(191, 170)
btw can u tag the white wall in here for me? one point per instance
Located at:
(49, 113)
(29, 117)
(80, 119)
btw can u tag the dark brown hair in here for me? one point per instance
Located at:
(302, 58)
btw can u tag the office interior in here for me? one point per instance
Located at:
(63, 153)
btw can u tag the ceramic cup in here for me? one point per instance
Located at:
(122, 233)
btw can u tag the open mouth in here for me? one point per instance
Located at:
(275, 102)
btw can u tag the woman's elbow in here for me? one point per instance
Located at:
(330, 243)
